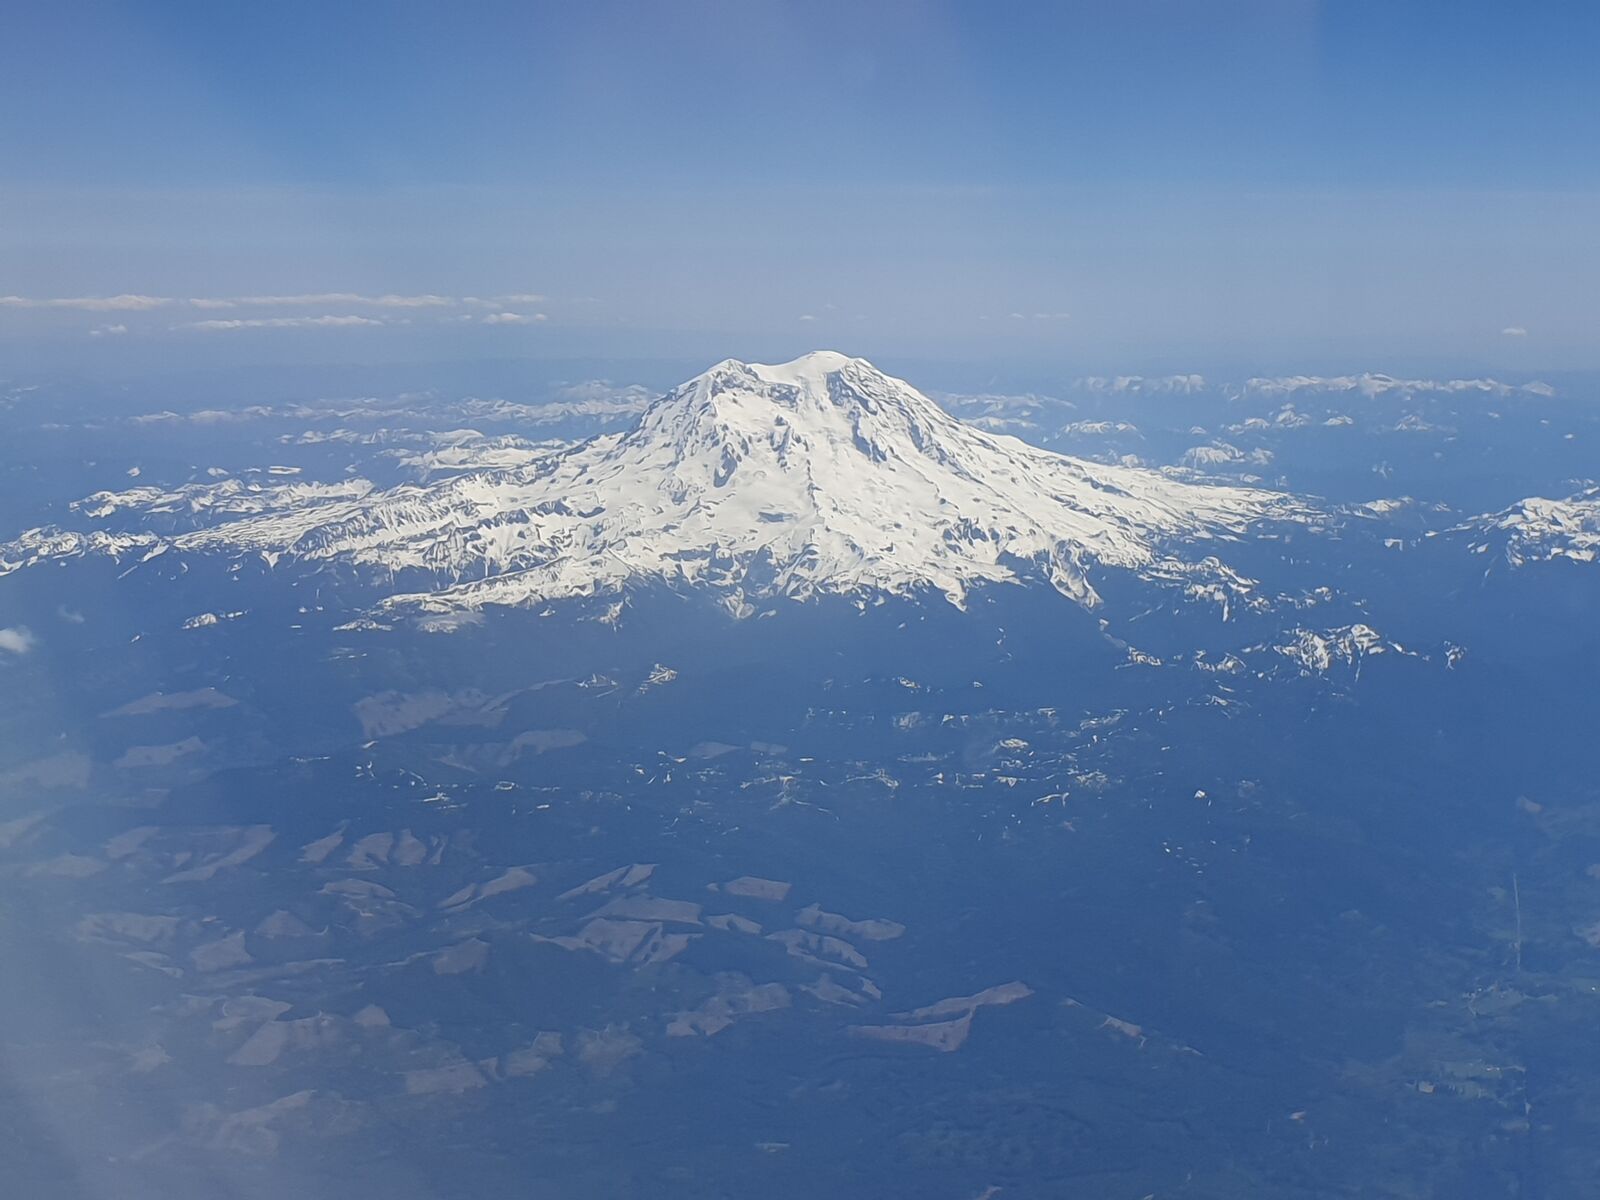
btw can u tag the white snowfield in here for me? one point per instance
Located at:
(821, 475)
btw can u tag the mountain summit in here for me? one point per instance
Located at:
(821, 475)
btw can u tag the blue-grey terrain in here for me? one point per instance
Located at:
(575, 782)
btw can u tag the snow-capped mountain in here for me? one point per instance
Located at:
(821, 475)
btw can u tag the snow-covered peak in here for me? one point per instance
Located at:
(823, 412)
(809, 370)
(813, 387)
(821, 475)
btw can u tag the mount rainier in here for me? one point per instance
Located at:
(818, 476)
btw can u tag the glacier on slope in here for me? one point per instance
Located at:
(822, 475)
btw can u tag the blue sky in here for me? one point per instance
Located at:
(1107, 184)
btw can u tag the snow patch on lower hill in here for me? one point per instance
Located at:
(819, 476)
(1222, 454)
(1318, 653)
(207, 619)
(462, 450)
(1539, 529)
(48, 543)
(230, 498)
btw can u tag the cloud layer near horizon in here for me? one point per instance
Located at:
(391, 308)
(135, 302)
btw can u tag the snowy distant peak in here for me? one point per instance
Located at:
(1165, 385)
(1372, 385)
(750, 481)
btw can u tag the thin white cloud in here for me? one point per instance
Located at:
(425, 300)
(310, 299)
(507, 301)
(511, 318)
(1514, 331)
(131, 302)
(807, 317)
(123, 303)
(325, 322)
(107, 330)
(18, 639)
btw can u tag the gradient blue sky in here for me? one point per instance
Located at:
(1110, 185)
